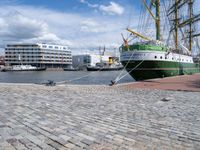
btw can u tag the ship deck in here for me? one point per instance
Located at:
(178, 83)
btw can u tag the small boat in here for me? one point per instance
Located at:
(70, 69)
(24, 68)
(105, 68)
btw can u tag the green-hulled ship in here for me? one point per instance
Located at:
(150, 58)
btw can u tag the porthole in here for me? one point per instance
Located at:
(155, 57)
(165, 57)
(160, 57)
(172, 58)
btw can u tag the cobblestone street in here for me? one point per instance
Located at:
(97, 117)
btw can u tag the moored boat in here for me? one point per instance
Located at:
(24, 68)
(70, 69)
(151, 58)
(104, 68)
(144, 63)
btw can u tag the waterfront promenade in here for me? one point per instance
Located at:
(97, 117)
(177, 83)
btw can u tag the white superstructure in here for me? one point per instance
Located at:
(88, 60)
(45, 55)
(155, 56)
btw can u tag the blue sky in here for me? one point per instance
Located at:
(75, 5)
(81, 24)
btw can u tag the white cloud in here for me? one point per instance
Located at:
(19, 26)
(16, 27)
(113, 8)
(35, 24)
(91, 26)
(27, 24)
(89, 4)
(3, 24)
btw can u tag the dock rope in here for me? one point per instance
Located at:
(118, 78)
(113, 82)
(75, 79)
(67, 81)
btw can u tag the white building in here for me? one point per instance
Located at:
(44, 55)
(88, 60)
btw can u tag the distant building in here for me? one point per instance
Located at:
(79, 61)
(2, 60)
(41, 55)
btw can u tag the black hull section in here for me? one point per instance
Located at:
(160, 69)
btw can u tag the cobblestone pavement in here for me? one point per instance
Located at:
(97, 117)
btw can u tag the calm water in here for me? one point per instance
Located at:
(103, 77)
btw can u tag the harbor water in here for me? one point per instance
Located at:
(72, 77)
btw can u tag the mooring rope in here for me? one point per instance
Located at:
(124, 67)
(67, 81)
(75, 79)
(118, 78)
(115, 81)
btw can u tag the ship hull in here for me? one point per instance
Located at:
(159, 69)
(143, 65)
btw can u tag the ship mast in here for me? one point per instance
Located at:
(190, 32)
(176, 24)
(155, 17)
(157, 3)
(188, 22)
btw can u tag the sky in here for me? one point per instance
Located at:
(81, 24)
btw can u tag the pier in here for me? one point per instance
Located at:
(177, 83)
(96, 117)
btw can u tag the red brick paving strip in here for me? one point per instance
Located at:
(178, 83)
